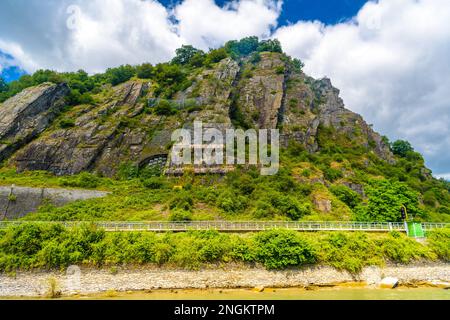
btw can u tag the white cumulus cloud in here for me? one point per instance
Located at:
(391, 61)
(204, 24)
(392, 65)
(97, 34)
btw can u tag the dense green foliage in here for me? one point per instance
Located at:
(120, 74)
(377, 189)
(186, 54)
(385, 200)
(346, 195)
(145, 71)
(439, 241)
(280, 249)
(168, 77)
(246, 46)
(164, 108)
(139, 194)
(46, 246)
(401, 148)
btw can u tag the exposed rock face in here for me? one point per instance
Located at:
(262, 90)
(28, 114)
(70, 151)
(355, 187)
(332, 113)
(327, 109)
(117, 129)
(214, 86)
(323, 205)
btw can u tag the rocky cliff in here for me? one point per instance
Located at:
(27, 114)
(120, 127)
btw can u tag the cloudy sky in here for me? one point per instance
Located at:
(390, 58)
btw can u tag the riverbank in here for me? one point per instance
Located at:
(91, 281)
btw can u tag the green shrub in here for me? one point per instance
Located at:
(264, 209)
(162, 252)
(270, 45)
(76, 98)
(291, 207)
(284, 181)
(66, 123)
(120, 74)
(180, 215)
(398, 248)
(439, 242)
(346, 195)
(429, 198)
(385, 200)
(349, 252)
(83, 180)
(230, 202)
(164, 108)
(150, 172)
(144, 71)
(279, 249)
(127, 171)
(243, 184)
(216, 55)
(279, 70)
(401, 147)
(332, 174)
(154, 183)
(185, 54)
(43, 246)
(255, 58)
(182, 201)
(305, 189)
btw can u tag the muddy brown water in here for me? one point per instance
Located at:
(331, 293)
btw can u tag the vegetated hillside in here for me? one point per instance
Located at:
(112, 131)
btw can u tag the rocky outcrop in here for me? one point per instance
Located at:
(213, 87)
(16, 202)
(311, 104)
(27, 114)
(389, 282)
(332, 113)
(322, 205)
(66, 151)
(120, 128)
(262, 90)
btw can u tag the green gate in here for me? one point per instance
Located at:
(415, 230)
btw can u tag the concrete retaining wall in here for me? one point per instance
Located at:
(15, 202)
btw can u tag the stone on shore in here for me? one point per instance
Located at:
(258, 289)
(389, 282)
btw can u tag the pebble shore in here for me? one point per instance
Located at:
(89, 280)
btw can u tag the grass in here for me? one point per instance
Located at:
(43, 247)
(240, 195)
(53, 290)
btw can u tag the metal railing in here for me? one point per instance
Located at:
(239, 226)
(434, 225)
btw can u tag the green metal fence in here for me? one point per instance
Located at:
(249, 226)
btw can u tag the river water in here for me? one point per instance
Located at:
(333, 293)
